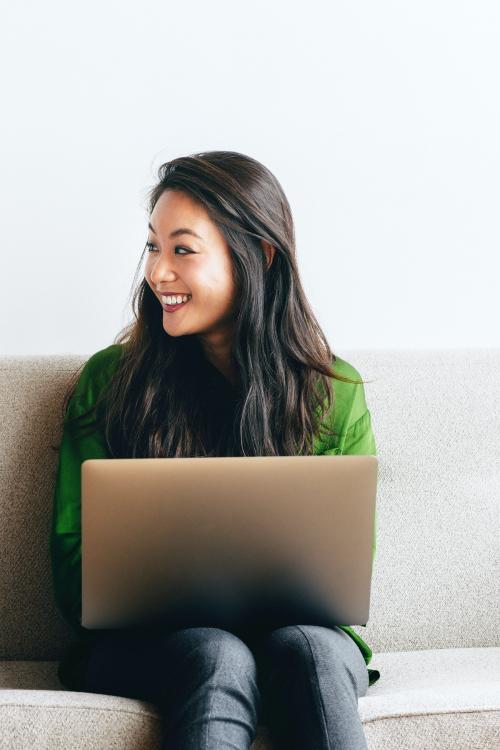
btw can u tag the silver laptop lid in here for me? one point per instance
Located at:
(224, 541)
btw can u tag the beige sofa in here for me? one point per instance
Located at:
(434, 622)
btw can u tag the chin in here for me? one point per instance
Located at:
(173, 334)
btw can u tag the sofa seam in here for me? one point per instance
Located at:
(81, 708)
(156, 716)
(432, 713)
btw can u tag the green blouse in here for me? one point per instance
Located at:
(351, 420)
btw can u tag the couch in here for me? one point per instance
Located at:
(434, 623)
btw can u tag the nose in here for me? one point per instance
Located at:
(161, 274)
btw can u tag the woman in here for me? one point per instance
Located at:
(224, 358)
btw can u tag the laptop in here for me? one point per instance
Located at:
(230, 542)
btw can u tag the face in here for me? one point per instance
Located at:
(199, 266)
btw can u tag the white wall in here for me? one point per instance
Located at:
(380, 120)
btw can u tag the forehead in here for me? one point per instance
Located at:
(174, 206)
(176, 212)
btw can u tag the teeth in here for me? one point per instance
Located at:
(174, 300)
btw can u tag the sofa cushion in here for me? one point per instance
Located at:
(58, 720)
(447, 699)
(441, 698)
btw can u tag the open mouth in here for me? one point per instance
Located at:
(176, 306)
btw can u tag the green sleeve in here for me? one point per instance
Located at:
(359, 440)
(65, 536)
(352, 421)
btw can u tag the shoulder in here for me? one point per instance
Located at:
(348, 409)
(96, 373)
(345, 368)
(104, 359)
(349, 397)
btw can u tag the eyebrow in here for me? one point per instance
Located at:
(177, 232)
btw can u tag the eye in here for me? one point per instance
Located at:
(150, 247)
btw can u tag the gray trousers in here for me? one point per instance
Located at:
(214, 686)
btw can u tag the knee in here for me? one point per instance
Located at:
(221, 647)
(306, 643)
(318, 648)
(213, 649)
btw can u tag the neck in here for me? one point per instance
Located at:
(218, 353)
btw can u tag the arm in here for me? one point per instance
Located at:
(65, 537)
(360, 440)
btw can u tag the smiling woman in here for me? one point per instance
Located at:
(221, 231)
(224, 358)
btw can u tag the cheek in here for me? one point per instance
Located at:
(219, 299)
(219, 286)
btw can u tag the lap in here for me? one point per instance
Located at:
(141, 663)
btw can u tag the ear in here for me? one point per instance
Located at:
(269, 251)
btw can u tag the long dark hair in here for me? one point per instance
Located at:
(164, 398)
